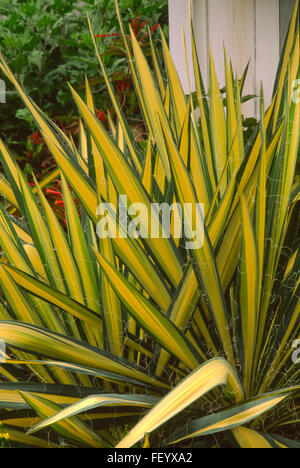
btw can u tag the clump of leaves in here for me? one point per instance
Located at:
(136, 337)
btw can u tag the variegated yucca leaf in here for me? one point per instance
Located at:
(125, 340)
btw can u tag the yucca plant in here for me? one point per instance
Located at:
(108, 338)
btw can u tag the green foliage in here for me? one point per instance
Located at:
(47, 43)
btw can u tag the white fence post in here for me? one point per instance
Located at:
(248, 28)
(178, 19)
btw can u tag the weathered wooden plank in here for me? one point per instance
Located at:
(178, 19)
(267, 45)
(232, 23)
(248, 29)
(200, 21)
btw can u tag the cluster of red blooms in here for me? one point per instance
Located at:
(108, 35)
(101, 116)
(36, 138)
(137, 29)
(55, 195)
(122, 86)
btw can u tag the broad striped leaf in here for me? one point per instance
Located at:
(52, 345)
(203, 257)
(72, 428)
(248, 438)
(227, 419)
(150, 318)
(210, 375)
(97, 401)
(22, 438)
(53, 296)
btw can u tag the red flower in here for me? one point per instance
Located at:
(54, 192)
(36, 138)
(135, 29)
(108, 35)
(142, 27)
(122, 86)
(101, 115)
(135, 24)
(154, 28)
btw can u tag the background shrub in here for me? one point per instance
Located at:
(47, 43)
